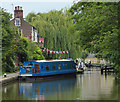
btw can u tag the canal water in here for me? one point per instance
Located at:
(88, 86)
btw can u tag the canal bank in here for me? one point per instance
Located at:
(9, 78)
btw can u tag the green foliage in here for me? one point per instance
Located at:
(27, 50)
(8, 35)
(97, 24)
(21, 49)
(57, 30)
(34, 52)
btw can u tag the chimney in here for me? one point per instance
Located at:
(18, 12)
(15, 8)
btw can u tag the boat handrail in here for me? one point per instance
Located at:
(26, 66)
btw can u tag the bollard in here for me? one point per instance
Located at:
(5, 75)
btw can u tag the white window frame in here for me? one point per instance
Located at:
(17, 22)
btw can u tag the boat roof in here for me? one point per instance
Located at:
(56, 60)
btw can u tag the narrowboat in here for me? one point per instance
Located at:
(41, 68)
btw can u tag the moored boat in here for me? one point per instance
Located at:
(43, 68)
(80, 70)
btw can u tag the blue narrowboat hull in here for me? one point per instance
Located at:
(47, 68)
(54, 73)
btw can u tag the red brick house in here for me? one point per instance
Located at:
(26, 29)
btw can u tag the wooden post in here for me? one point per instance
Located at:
(105, 69)
(101, 70)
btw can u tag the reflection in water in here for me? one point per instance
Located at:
(42, 90)
(88, 86)
(5, 89)
(94, 86)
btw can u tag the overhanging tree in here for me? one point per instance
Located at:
(97, 23)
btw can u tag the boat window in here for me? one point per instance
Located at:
(53, 66)
(27, 70)
(71, 65)
(47, 67)
(41, 66)
(59, 66)
(34, 70)
(66, 66)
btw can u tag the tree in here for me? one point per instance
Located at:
(34, 52)
(97, 23)
(55, 26)
(8, 36)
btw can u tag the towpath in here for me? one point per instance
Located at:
(8, 76)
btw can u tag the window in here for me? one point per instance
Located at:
(66, 66)
(17, 22)
(71, 65)
(47, 67)
(53, 67)
(34, 36)
(41, 66)
(34, 70)
(59, 66)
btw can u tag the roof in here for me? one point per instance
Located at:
(53, 60)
